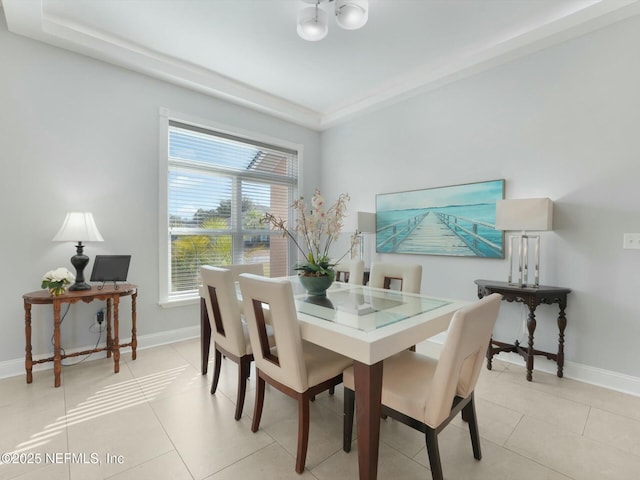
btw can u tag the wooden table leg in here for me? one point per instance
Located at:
(109, 335)
(116, 337)
(134, 339)
(531, 326)
(368, 384)
(28, 360)
(57, 357)
(205, 337)
(562, 324)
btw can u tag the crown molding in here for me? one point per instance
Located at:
(29, 18)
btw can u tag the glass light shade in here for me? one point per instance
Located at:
(78, 227)
(313, 24)
(352, 14)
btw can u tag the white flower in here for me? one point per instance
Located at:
(60, 274)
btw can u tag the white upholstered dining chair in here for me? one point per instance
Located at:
(426, 393)
(409, 275)
(230, 336)
(297, 368)
(350, 271)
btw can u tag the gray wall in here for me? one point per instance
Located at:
(78, 134)
(562, 123)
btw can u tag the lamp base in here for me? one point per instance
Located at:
(80, 286)
(79, 261)
(522, 272)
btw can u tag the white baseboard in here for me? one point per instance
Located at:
(12, 368)
(576, 371)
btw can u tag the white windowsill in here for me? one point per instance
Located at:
(180, 302)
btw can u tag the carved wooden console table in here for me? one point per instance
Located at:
(531, 297)
(110, 294)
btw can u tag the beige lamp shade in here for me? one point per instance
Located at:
(366, 222)
(526, 214)
(78, 227)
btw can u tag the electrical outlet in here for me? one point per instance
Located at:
(100, 317)
(631, 241)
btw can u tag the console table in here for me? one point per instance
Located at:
(532, 297)
(109, 293)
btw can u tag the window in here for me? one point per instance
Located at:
(218, 186)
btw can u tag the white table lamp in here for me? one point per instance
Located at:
(366, 224)
(79, 227)
(527, 214)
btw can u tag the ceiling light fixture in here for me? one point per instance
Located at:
(313, 22)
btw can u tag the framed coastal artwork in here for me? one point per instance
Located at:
(456, 220)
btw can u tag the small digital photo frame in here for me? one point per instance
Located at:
(110, 268)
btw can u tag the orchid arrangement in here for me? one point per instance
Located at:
(57, 280)
(316, 229)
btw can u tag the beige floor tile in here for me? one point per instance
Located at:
(495, 422)
(154, 360)
(130, 432)
(169, 466)
(602, 398)
(573, 455)
(32, 418)
(521, 398)
(405, 439)
(190, 351)
(614, 430)
(206, 436)
(272, 462)
(87, 379)
(392, 465)
(47, 472)
(325, 434)
(458, 462)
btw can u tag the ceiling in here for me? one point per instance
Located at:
(248, 51)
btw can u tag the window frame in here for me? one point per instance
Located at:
(166, 298)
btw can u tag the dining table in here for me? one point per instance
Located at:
(367, 325)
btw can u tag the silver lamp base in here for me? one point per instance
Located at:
(521, 277)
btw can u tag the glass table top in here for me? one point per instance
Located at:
(363, 308)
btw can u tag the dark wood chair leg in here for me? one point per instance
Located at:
(303, 432)
(347, 426)
(257, 409)
(434, 454)
(469, 411)
(332, 390)
(216, 370)
(243, 377)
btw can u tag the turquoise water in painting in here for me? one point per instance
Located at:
(467, 216)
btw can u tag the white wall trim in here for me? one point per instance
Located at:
(575, 371)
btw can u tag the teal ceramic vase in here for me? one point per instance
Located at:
(317, 286)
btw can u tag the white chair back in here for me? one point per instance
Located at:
(223, 309)
(354, 270)
(238, 268)
(284, 362)
(462, 357)
(409, 275)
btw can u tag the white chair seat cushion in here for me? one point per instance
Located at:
(322, 364)
(406, 380)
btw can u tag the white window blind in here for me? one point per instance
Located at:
(219, 186)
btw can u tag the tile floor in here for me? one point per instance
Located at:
(157, 420)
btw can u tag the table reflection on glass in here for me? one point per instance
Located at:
(368, 325)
